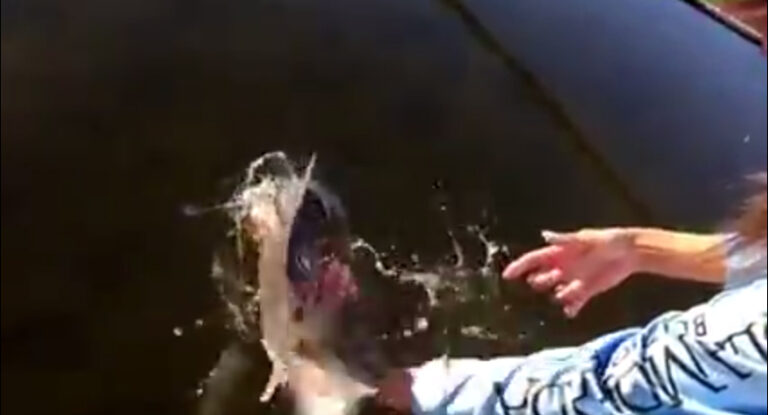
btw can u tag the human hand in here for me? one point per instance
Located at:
(394, 391)
(576, 267)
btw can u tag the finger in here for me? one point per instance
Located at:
(558, 289)
(557, 238)
(571, 296)
(546, 281)
(570, 292)
(575, 296)
(573, 310)
(530, 261)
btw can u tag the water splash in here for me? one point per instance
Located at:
(430, 300)
(254, 285)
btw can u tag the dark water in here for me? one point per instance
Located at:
(523, 114)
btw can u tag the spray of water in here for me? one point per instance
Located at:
(255, 290)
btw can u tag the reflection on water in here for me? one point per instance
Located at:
(116, 115)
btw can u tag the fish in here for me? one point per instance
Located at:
(329, 311)
(295, 232)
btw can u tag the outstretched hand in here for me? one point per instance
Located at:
(576, 267)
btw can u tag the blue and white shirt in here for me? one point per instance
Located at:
(709, 360)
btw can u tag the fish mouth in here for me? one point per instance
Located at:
(319, 250)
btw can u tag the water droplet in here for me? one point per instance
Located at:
(178, 331)
(422, 324)
(190, 210)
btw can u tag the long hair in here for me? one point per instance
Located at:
(751, 225)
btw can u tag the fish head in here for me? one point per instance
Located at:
(318, 263)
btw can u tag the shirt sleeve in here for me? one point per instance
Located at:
(459, 386)
(710, 360)
(745, 263)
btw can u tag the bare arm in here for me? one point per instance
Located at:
(680, 255)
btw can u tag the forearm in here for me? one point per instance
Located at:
(680, 255)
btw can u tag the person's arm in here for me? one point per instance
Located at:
(680, 255)
(578, 266)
